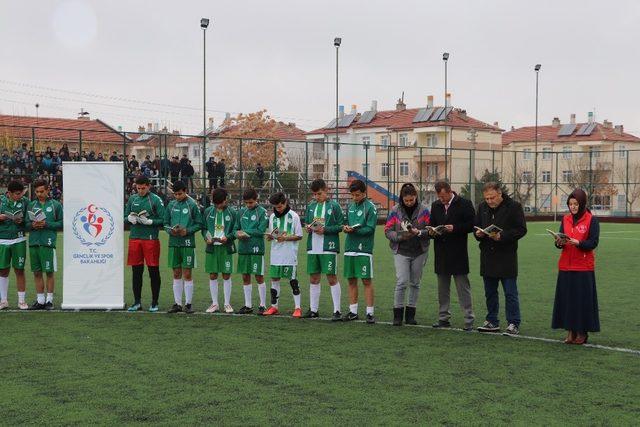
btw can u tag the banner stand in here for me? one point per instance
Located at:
(93, 260)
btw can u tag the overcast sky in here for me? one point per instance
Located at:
(132, 62)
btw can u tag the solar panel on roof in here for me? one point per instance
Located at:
(366, 117)
(583, 129)
(331, 124)
(567, 130)
(420, 115)
(445, 113)
(346, 120)
(589, 129)
(436, 114)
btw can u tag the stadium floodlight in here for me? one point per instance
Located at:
(537, 67)
(204, 23)
(445, 56)
(337, 41)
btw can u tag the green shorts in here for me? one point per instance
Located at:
(358, 267)
(182, 257)
(43, 259)
(14, 255)
(322, 263)
(251, 264)
(283, 272)
(218, 261)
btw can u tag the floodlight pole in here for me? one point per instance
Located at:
(204, 23)
(336, 42)
(445, 59)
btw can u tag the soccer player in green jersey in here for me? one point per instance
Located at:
(360, 229)
(43, 220)
(285, 231)
(182, 219)
(252, 224)
(219, 233)
(13, 243)
(324, 220)
(145, 213)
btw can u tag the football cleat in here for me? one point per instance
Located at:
(371, 319)
(337, 317)
(350, 316)
(188, 309)
(36, 306)
(135, 307)
(311, 315)
(175, 308)
(228, 309)
(23, 306)
(245, 310)
(48, 305)
(489, 327)
(4, 305)
(261, 310)
(297, 313)
(213, 308)
(271, 311)
(153, 309)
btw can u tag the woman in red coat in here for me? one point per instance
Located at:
(576, 304)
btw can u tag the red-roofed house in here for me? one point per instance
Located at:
(599, 157)
(91, 135)
(427, 144)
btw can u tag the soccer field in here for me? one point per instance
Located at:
(116, 367)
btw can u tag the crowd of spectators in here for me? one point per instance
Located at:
(28, 165)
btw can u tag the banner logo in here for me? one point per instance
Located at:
(93, 225)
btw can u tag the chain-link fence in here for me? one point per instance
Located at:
(540, 181)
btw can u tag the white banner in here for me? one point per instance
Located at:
(93, 267)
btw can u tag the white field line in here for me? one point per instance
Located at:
(326, 319)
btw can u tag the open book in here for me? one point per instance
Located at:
(558, 235)
(437, 230)
(13, 215)
(317, 223)
(141, 214)
(492, 229)
(37, 215)
(209, 236)
(275, 233)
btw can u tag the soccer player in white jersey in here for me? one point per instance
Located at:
(285, 231)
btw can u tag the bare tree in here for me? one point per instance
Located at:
(630, 180)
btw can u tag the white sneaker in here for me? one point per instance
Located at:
(228, 309)
(23, 306)
(213, 308)
(4, 305)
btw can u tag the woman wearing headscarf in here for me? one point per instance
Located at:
(576, 304)
(409, 241)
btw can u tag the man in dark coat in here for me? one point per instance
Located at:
(174, 169)
(211, 173)
(499, 255)
(221, 171)
(451, 257)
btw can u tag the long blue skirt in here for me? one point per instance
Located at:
(576, 304)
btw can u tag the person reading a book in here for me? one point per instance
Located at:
(409, 242)
(456, 215)
(500, 224)
(575, 308)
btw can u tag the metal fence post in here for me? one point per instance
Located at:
(420, 173)
(240, 171)
(626, 191)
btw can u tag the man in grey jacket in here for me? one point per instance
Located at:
(409, 241)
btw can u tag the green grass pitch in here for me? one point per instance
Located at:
(120, 368)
